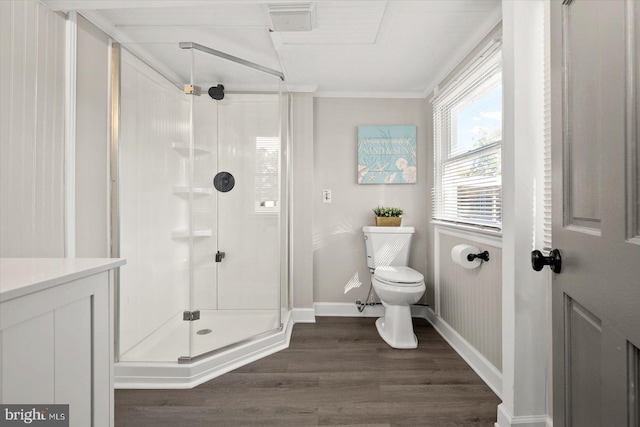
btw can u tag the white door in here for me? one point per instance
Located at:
(596, 223)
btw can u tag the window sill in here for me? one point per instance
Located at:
(497, 234)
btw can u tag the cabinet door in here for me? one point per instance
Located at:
(55, 348)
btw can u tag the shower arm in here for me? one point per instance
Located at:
(205, 49)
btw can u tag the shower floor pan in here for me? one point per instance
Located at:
(171, 340)
(239, 336)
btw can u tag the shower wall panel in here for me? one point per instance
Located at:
(32, 47)
(154, 131)
(249, 215)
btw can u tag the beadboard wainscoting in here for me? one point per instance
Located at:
(467, 309)
(32, 83)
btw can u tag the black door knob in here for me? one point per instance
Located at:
(554, 260)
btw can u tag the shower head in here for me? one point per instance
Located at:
(216, 92)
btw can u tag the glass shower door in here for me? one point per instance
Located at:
(236, 228)
(152, 160)
(249, 215)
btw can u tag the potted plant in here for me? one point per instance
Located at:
(388, 217)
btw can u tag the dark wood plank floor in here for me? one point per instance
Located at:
(337, 372)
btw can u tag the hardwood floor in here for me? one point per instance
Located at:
(336, 372)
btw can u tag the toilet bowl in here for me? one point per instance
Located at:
(397, 285)
(397, 288)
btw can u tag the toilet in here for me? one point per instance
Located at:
(397, 285)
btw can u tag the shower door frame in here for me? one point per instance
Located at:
(114, 186)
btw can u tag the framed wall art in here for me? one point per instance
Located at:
(387, 155)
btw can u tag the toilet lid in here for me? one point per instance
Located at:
(398, 275)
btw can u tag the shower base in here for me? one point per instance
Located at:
(171, 340)
(153, 363)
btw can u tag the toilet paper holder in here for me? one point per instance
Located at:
(482, 255)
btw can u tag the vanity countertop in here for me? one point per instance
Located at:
(23, 276)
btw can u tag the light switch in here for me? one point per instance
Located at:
(326, 196)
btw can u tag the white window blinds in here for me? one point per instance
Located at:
(467, 119)
(547, 183)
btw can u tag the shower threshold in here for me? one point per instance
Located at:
(191, 359)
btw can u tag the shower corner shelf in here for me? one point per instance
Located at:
(182, 148)
(183, 191)
(184, 233)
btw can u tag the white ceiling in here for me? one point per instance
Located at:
(359, 48)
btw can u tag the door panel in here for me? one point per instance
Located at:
(596, 319)
(584, 340)
(583, 98)
(634, 385)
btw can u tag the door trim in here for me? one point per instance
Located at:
(632, 143)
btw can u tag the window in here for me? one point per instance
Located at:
(467, 118)
(267, 178)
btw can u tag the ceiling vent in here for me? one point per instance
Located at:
(292, 16)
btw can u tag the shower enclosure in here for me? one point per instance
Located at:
(199, 205)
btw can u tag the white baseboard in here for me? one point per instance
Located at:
(303, 315)
(485, 369)
(506, 419)
(419, 311)
(346, 309)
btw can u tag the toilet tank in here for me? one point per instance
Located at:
(387, 245)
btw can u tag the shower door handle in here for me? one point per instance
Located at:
(219, 256)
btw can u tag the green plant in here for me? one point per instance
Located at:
(382, 211)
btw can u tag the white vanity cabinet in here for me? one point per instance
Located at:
(56, 335)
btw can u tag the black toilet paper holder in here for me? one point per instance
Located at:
(484, 256)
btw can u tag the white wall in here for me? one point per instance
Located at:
(32, 88)
(339, 262)
(92, 141)
(525, 310)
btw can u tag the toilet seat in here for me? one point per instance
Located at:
(398, 276)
